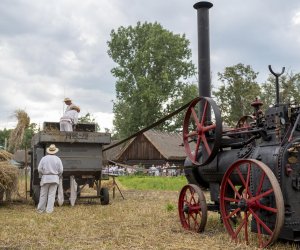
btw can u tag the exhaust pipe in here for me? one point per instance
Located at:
(204, 79)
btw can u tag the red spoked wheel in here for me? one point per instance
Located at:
(255, 215)
(192, 208)
(204, 129)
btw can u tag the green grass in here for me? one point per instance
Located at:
(153, 182)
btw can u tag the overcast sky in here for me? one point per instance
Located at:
(55, 49)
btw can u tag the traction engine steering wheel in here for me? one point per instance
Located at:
(204, 129)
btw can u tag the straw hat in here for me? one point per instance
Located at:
(67, 99)
(52, 149)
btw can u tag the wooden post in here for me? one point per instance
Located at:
(26, 163)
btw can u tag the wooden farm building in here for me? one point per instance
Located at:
(151, 147)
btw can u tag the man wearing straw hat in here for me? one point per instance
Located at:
(69, 103)
(69, 119)
(50, 167)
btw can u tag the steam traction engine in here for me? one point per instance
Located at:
(252, 170)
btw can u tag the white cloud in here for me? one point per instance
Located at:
(53, 49)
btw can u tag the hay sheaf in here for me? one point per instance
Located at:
(8, 176)
(5, 156)
(17, 135)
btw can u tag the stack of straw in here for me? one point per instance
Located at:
(8, 176)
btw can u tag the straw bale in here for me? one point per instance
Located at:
(8, 179)
(5, 156)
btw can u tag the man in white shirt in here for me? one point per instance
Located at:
(69, 103)
(69, 119)
(50, 167)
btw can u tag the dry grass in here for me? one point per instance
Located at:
(144, 220)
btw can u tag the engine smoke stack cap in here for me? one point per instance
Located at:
(203, 4)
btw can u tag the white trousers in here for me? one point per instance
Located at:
(65, 126)
(73, 189)
(47, 197)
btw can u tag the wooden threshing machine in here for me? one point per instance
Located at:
(81, 155)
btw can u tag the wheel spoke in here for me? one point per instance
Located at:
(261, 195)
(270, 209)
(197, 148)
(231, 199)
(258, 220)
(210, 127)
(233, 213)
(204, 113)
(193, 133)
(247, 180)
(261, 183)
(194, 115)
(208, 150)
(234, 189)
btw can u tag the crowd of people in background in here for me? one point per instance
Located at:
(154, 170)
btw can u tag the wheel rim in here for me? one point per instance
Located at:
(260, 204)
(192, 208)
(205, 131)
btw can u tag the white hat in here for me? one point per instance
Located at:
(67, 99)
(52, 149)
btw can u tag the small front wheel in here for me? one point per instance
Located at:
(192, 208)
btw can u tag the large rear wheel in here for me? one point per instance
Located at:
(251, 203)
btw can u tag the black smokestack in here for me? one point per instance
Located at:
(204, 80)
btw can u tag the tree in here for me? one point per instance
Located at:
(4, 135)
(239, 89)
(28, 134)
(89, 118)
(289, 89)
(152, 65)
(189, 92)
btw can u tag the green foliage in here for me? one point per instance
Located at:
(89, 118)
(4, 134)
(152, 65)
(289, 89)
(28, 134)
(239, 90)
(153, 182)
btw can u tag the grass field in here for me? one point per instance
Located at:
(153, 182)
(146, 219)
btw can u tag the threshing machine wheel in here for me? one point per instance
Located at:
(206, 130)
(104, 196)
(36, 194)
(192, 208)
(260, 205)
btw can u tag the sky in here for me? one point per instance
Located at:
(55, 49)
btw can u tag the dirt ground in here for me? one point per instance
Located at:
(144, 220)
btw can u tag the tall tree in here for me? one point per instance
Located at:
(239, 89)
(152, 65)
